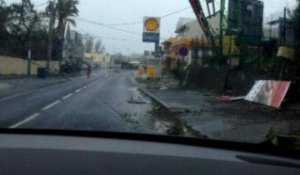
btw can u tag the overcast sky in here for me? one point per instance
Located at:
(130, 11)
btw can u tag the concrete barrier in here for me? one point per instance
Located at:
(18, 67)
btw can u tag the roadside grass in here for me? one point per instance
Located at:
(291, 140)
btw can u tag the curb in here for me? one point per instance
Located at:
(165, 105)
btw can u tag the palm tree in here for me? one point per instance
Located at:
(296, 21)
(66, 10)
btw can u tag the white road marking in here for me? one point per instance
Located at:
(51, 105)
(32, 117)
(67, 96)
(84, 87)
(78, 90)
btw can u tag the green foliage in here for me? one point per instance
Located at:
(4, 11)
(89, 43)
(23, 19)
(65, 11)
(272, 137)
(21, 28)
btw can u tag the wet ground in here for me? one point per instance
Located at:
(108, 101)
(112, 101)
(240, 121)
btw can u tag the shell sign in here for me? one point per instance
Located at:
(151, 30)
(151, 24)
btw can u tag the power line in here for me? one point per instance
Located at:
(114, 39)
(130, 23)
(126, 23)
(176, 12)
(140, 22)
(108, 38)
(113, 28)
(108, 26)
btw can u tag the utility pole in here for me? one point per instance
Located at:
(222, 10)
(52, 11)
(29, 58)
(29, 44)
(208, 8)
(284, 26)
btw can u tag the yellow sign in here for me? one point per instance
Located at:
(151, 71)
(152, 24)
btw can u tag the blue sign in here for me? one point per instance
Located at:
(183, 51)
(150, 37)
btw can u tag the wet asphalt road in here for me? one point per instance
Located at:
(80, 104)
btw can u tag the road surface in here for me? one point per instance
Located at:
(110, 101)
(96, 103)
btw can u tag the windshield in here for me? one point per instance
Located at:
(210, 69)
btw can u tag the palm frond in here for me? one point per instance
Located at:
(71, 21)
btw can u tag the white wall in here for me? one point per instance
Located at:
(17, 66)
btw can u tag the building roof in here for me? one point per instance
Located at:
(190, 42)
(169, 40)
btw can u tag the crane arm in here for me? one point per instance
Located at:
(198, 10)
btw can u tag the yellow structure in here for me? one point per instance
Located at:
(172, 46)
(286, 53)
(229, 45)
(17, 66)
(151, 71)
(141, 71)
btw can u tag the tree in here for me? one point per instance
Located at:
(89, 43)
(23, 20)
(66, 10)
(99, 47)
(21, 28)
(4, 12)
(296, 22)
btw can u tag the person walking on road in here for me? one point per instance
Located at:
(89, 70)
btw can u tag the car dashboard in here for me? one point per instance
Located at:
(33, 153)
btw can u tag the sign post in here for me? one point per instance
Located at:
(151, 32)
(183, 52)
